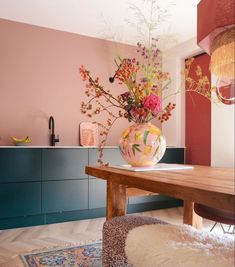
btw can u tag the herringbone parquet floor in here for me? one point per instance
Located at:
(17, 241)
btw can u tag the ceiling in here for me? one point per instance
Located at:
(106, 19)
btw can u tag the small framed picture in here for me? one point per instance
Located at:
(88, 134)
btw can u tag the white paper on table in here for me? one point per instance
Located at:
(157, 167)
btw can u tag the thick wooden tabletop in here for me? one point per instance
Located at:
(203, 184)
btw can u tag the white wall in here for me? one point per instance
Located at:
(222, 139)
(173, 62)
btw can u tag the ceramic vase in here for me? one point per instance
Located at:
(142, 145)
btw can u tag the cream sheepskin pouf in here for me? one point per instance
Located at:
(178, 246)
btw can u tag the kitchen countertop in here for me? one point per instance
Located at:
(76, 147)
(53, 147)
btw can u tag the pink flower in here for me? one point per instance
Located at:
(153, 103)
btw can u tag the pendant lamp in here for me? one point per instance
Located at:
(216, 36)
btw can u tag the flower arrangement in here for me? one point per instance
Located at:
(145, 82)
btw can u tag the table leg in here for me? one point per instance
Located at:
(190, 217)
(116, 200)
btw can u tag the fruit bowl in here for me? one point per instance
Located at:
(21, 142)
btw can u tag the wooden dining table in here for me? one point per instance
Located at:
(206, 185)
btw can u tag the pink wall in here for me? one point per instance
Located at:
(39, 77)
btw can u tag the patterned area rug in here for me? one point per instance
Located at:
(89, 255)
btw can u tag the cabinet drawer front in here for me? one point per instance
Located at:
(59, 196)
(17, 222)
(20, 199)
(147, 199)
(97, 193)
(111, 155)
(18, 165)
(61, 164)
(173, 155)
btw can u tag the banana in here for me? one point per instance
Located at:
(17, 140)
(27, 139)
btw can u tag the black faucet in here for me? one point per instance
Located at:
(52, 128)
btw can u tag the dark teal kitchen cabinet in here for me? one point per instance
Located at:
(60, 196)
(172, 155)
(20, 165)
(97, 187)
(49, 185)
(97, 193)
(20, 199)
(65, 184)
(146, 199)
(111, 155)
(20, 183)
(62, 164)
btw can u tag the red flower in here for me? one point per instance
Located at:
(139, 113)
(125, 96)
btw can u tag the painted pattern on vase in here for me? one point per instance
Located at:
(142, 145)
